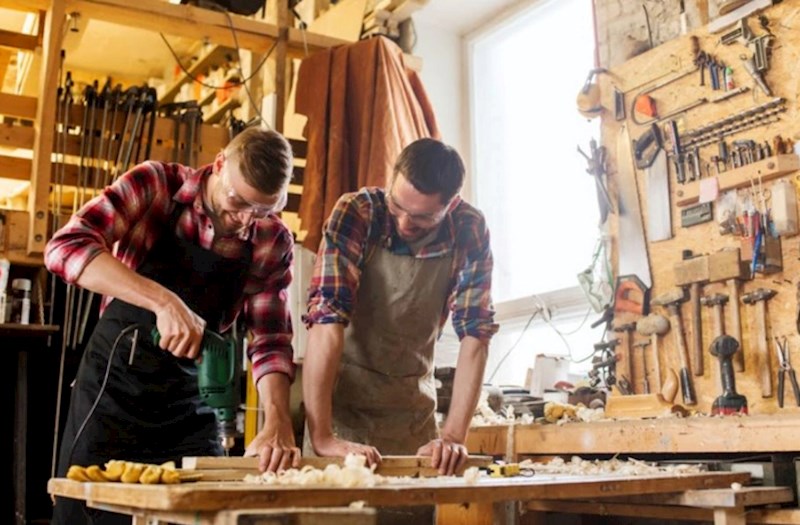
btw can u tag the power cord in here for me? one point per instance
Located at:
(123, 333)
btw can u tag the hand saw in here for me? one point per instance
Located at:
(631, 241)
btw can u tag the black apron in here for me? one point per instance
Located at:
(150, 410)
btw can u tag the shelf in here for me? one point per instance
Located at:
(207, 59)
(761, 171)
(207, 99)
(219, 113)
(27, 330)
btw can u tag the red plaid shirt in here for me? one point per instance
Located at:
(129, 215)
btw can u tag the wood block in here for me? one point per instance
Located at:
(639, 406)
(727, 264)
(694, 270)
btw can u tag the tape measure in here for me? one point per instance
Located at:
(508, 470)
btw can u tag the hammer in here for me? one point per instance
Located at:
(726, 266)
(759, 298)
(628, 328)
(654, 325)
(645, 383)
(717, 302)
(672, 302)
(693, 272)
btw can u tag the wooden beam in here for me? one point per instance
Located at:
(196, 23)
(281, 89)
(18, 106)
(44, 127)
(30, 6)
(16, 136)
(18, 40)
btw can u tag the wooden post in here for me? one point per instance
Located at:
(284, 19)
(44, 128)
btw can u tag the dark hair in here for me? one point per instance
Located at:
(264, 157)
(431, 167)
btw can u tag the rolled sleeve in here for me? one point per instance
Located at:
(267, 313)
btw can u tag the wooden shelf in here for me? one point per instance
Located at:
(207, 59)
(216, 116)
(208, 98)
(762, 433)
(27, 330)
(763, 171)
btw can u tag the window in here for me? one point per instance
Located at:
(530, 181)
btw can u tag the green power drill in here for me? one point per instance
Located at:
(218, 373)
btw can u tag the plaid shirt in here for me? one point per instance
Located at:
(360, 223)
(131, 213)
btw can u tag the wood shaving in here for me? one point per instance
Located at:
(353, 474)
(631, 467)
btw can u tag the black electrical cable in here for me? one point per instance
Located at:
(124, 332)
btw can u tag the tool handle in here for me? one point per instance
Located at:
(697, 332)
(781, 383)
(763, 350)
(687, 388)
(736, 324)
(656, 363)
(795, 387)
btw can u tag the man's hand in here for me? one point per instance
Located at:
(274, 446)
(332, 446)
(180, 328)
(448, 456)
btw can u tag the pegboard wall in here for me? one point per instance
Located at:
(693, 106)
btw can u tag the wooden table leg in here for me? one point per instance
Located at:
(734, 516)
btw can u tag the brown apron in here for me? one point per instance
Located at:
(385, 395)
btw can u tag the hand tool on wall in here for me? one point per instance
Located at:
(632, 249)
(759, 298)
(642, 347)
(604, 364)
(726, 266)
(784, 368)
(730, 402)
(651, 157)
(717, 302)
(631, 295)
(672, 301)
(692, 272)
(628, 329)
(654, 325)
(597, 169)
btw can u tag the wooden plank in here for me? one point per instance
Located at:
(755, 433)
(44, 126)
(18, 106)
(200, 66)
(18, 40)
(390, 465)
(14, 238)
(202, 496)
(758, 172)
(491, 440)
(16, 136)
(719, 498)
(620, 509)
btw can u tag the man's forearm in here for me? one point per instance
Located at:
(105, 275)
(466, 388)
(273, 390)
(320, 369)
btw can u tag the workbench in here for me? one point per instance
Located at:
(223, 503)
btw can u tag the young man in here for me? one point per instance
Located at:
(392, 265)
(194, 249)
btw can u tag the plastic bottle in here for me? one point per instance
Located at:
(21, 301)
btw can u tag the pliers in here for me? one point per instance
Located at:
(784, 366)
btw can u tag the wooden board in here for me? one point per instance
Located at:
(220, 468)
(762, 433)
(208, 496)
(650, 68)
